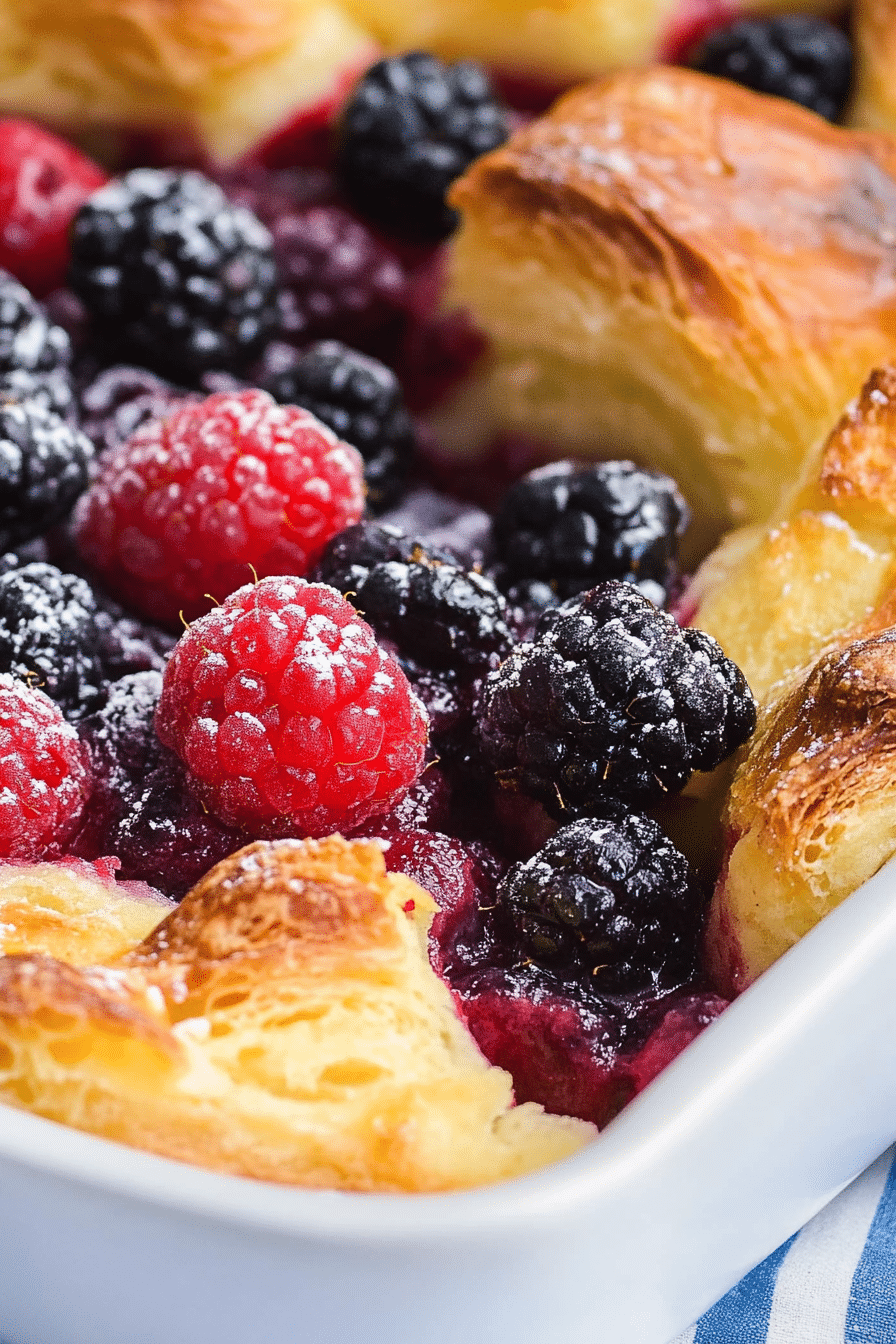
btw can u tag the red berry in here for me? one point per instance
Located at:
(183, 512)
(289, 716)
(43, 184)
(44, 780)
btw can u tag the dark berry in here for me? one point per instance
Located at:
(49, 636)
(34, 352)
(612, 702)
(411, 126)
(795, 56)
(361, 401)
(44, 467)
(120, 399)
(437, 615)
(569, 527)
(611, 899)
(165, 261)
(141, 809)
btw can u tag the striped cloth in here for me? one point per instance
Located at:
(832, 1283)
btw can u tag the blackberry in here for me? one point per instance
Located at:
(164, 260)
(610, 899)
(361, 401)
(57, 635)
(411, 126)
(612, 702)
(793, 56)
(571, 526)
(140, 808)
(122, 398)
(34, 353)
(44, 467)
(437, 615)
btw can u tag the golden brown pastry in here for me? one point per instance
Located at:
(812, 810)
(873, 102)
(671, 267)
(282, 1023)
(222, 73)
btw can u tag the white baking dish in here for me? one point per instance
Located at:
(780, 1103)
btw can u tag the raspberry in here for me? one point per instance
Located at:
(43, 776)
(34, 353)
(44, 466)
(610, 899)
(571, 526)
(43, 182)
(361, 401)
(795, 56)
(164, 261)
(288, 714)
(140, 808)
(411, 126)
(183, 512)
(612, 702)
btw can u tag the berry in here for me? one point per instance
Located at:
(795, 56)
(613, 701)
(164, 261)
(140, 808)
(437, 615)
(573, 526)
(411, 126)
(611, 899)
(289, 716)
(187, 508)
(43, 182)
(34, 353)
(44, 779)
(44, 466)
(361, 401)
(122, 398)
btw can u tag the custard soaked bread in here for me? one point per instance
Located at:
(672, 267)
(282, 1023)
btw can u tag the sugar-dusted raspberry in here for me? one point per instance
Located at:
(182, 513)
(43, 183)
(288, 714)
(44, 779)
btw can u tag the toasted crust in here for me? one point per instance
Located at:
(873, 103)
(683, 269)
(812, 809)
(283, 1023)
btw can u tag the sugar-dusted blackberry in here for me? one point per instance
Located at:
(34, 353)
(177, 271)
(609, 898)
(140, 808)
(119, 399)
(613, 702)
(411, 126)
(571, 526)
(44, 467)
(49, 636)
(795, 56)
(362, 402)
(437, 615)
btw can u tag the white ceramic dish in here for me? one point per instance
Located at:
(782, 1101)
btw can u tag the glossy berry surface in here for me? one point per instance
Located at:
(436, 614)
(361, 400)
(289, 716)
(181, 514)
(141, 808)
(34, 352)
(164, 261)
(612, 703)
(611, 899)
(573, 526)
(43, 183)
(44, 467)
(411, 126)
(795, 56)
(44, 778)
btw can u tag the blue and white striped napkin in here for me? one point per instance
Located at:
(832, 1283)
